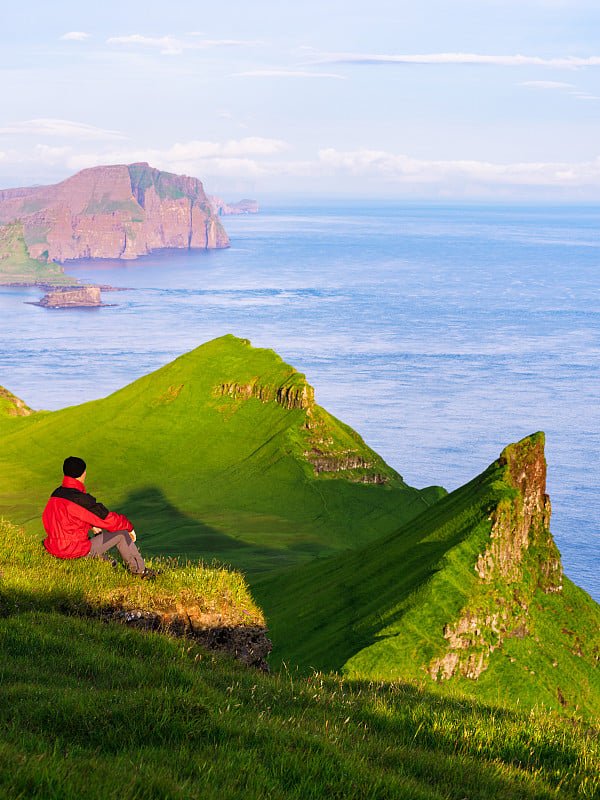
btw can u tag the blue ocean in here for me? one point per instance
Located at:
(440, 333)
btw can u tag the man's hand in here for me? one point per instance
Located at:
(132, 534)
(96, 530)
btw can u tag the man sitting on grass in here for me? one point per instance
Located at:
(69, 515)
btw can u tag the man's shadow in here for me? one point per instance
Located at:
(165, 530)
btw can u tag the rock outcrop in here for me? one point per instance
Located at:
(295, 395)
(13, 406)
(82, 297)
(520, 558)
(330, 449)
(246, 643)
(113, 212)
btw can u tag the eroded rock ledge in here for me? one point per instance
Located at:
(247, 644)
(348, 457)
(292, 396)
(520, 558)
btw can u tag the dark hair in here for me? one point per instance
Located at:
(74, 467)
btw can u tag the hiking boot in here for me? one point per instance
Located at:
(108, 560)
(149, 574)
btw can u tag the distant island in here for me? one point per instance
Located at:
(224, 209)
(117, 212)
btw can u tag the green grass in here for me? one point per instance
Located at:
(10, 405)
(206, 474)
(17, 266)
(380, 611)
(106, 205)
(207, 459)
(96, 709)
(34, 580)
(144, 177)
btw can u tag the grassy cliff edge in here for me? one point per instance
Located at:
(98, 709)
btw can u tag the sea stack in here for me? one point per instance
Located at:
(80, 297)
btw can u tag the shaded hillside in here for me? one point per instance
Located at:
(104, 212)
(468, 597)
(95, 707)
(105, 712)
(222, 453)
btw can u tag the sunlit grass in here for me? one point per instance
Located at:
(98, 710)
(32, 578)
(95, 709)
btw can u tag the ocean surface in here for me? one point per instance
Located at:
(441, 334)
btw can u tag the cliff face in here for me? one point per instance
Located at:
(520, 558)
(331, 450)
(113, 212)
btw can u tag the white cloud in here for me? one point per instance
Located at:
(51, 155)
(265, 161)
(244, 158)
(394, 168)
(59, 127)
(585, 96)
(178, 162)
(282, 73)
(75, 36)
(547, 84)
(230, 43)
(567, 62)
(570, 88)
(168, 45)
(240, 148)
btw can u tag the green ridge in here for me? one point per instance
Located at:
(215, 455)
(380, 611)
(11, 406)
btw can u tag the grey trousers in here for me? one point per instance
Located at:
(102, 542)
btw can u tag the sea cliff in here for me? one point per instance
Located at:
(224, 209)
(121, 211)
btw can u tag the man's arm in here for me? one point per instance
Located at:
(113, 522)
(131, 533)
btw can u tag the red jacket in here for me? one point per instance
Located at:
(68, 516)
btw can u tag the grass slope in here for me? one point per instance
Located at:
(17, 266)
(216, 455)
(98, 710)
(32, 579)
(381, 610)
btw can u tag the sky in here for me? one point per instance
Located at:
(470, 99)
